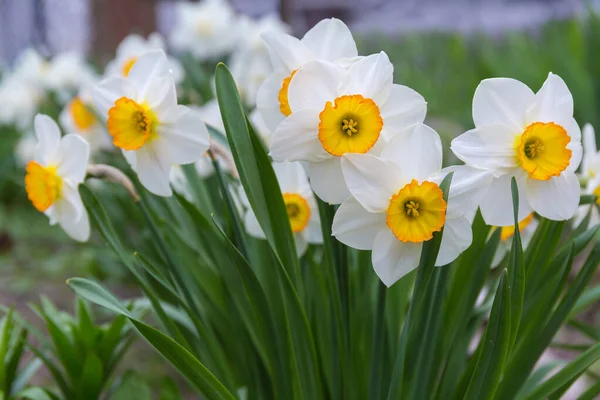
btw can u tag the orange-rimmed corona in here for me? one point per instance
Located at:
(416, 212)
(83, 118)
(506, 232)
(298, 211)
(542, 150)
(130, 124)
(351, 124)
(43, 185)
(282, 96)
(127, 65)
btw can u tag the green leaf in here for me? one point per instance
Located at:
(92, 378)
(181, 359)
(256, 173)
(567, 374)
(132, 386)
(169, 390)
(496, 343)
(36, 393)
(516, 272)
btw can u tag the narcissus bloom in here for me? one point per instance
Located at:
(527, 228)
(591, 187)
(300, 204)
(207, 29)
(397, 203)
(590, 164)
(52, 178)
(131, 48)
(145, 121)
(337, 111)
(329, 40)
(78, 117)
(531, 136)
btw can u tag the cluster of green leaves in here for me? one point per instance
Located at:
(243, 317)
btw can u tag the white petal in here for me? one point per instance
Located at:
(467, 189)
(589, 147)
(147, 68)
(314, 85)
(502, 101)
(416, 150)
(286, 51)
(153, 170)
(108, 91)
(574, 145)
(77, 228)
(372, 77)
(327, 180)
(489, 146)
(296, 138)
(456, 238)
(267, 103)
(74, 158)
(403, 108)
(372, 180)
(161, 96)
(356, 227)
(252, 226)
(291, 177)
(330, 40)
(497, 206)
(313, 232)
(552, 101)
(393, 259)
(48, 136)
(555, 199)
(185, 137)
(301, 244)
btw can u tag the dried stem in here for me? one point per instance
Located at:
(112, 174)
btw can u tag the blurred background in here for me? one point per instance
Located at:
(441, 48)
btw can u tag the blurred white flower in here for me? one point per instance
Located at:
(527, 228)
(52, 178)
(250, 63)
(300, 204)
(260, 126)
(530, 136)
(329, 40)
(19, 101)
(131, 48)
(590, 163)
(145, 121)
(211, 115)
(77, 117)
(591, 187)
(25, 149)
(335, 111)
(397, 203)
(208, 29)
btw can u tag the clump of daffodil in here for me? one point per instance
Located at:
(52, 178)
(531, 136)
(337, 111)
(147, 124)
(397, 203)
(299, 202)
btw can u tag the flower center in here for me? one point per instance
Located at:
(130, 124)
(205, 28)
(506, 232)
(127, 66)
(282, 96)
(351, 125)
(298, 211)
(416, 211)
(83, 118)
(542, 150)
(43, 185)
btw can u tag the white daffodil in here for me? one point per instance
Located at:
(208, 29)
(397, 203)
(78, 118)
(527, 228)
(260, 126)
(19, 101)
(52, 178)
(210, 113)
(591, 187)
(590, 163)
(337, 111)
(329, 40)
(145, 121)
(132, 47)
(531, 136)
(250, 63)
(300, 204)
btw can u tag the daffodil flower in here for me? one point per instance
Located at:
(397, 203)
(77, 117)
(208, 29)
(300, 205)
(146, 123)
(337, 111)
(590, 164)
(52, 178)
(531, 136)
(527, 228)
(132, 47)
(329, 40)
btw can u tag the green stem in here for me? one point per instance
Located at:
(377, 344)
